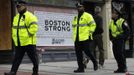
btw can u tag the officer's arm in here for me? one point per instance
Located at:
(110, 35)
(99, 23)
(110, 32)
(33, 27)
(100, 26)
(126, 30)
(91, 24)
(125, 33)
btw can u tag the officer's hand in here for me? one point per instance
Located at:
(121, 36)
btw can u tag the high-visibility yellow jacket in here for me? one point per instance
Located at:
(116, 29)
(87, 26)
(27, 29)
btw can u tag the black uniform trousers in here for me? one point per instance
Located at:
(19, 54)
(97, 42)
(119, 53)
(81, 46)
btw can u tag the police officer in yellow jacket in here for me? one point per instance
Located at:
(119, 32)
(83, 28)
(24, 36)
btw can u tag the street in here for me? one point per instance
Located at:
(67, 67)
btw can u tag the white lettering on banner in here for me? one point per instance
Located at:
(55, 29)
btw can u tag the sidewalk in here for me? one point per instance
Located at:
(67, 67)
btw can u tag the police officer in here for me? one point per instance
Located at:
(24, 35)
(119, 32)
(83, 28)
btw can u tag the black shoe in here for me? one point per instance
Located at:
(79, 71)
(35, 74)
(120, 71)
(95, 67)
(10, 73)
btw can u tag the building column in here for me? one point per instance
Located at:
(106, 20)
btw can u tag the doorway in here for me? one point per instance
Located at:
(5, 25)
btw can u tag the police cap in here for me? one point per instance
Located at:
(79, 5)
(117, 7)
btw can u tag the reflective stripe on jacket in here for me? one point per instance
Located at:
(116, 29)
(27, 29)
(87, 26)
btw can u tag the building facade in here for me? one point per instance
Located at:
(60, 51)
